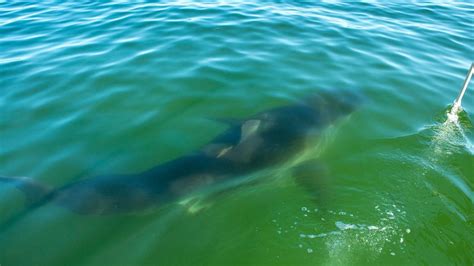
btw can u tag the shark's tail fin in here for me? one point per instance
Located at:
(34, 191)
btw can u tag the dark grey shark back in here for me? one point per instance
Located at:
(273, 135)
(250, 144)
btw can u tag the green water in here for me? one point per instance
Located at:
(90, 88)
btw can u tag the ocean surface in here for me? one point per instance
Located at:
(97, 87)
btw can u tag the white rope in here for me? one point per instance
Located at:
(457, 102)
(453, 115)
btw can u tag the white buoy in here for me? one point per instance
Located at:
(457, 103)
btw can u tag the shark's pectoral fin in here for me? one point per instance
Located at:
(312, 176)
(195, 205)
(201, 202)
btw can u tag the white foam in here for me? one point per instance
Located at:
(343, 226)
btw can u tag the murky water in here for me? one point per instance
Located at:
(92, 88)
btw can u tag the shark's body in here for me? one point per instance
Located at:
(247, 145)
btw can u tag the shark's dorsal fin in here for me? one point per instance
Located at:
(248, 129)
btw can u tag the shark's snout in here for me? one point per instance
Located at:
(333, 104)
(347, 101)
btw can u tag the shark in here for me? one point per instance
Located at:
(249, 144)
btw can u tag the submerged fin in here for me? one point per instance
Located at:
(312, 176)
(204, 201)
(33, 190)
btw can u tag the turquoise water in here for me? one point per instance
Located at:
(90, 88)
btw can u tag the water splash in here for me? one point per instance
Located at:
(452, 129)
(449, 135)
(450, 138)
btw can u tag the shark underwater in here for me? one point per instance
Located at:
(250, 144)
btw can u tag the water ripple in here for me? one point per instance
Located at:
(84, 79)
